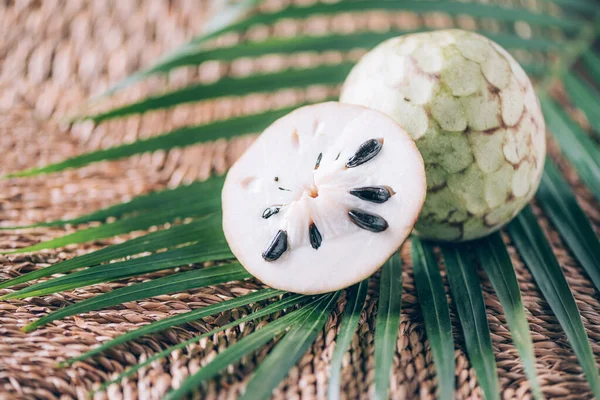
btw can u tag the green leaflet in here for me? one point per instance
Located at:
(585, 98)
(288, 79)
(178, 138)
(496, 263)
(592, 62)
(537, 254)
(575, 144)
(338, 42)
(221, 23)
(144, 203)
(559, 203)
(468, 297)
(387, 323)
(183, 56)
(245, 346)
(434, 308)
(144, 221)
(356, 296)
(277, 306)
(208, 250)
(288, 351)
(168, 284)
(478, 10)
(163, 239)
(179, 319)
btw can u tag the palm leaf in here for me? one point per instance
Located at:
(288, 351)
(289, 79)
(169, 214)
(560, 204)
(186, 55)
(434, 308)
(245, 346)
(592, 62)
(575, 144)
(468, 297)
(223, 23)
(270, 309)
(163, 239)
(196, 253)
(538, 256)
(386, 323)
(585, 98)
(181, 319)
(168, 284)
(151, 202)
(178, 138)
(356, 300)
(496, 263)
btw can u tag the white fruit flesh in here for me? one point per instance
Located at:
(280, 169)
(474, 116)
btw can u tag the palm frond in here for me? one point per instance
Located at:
(559, 203)
(537, 254)
(151, 202)
(181, 319)
(271, 82)
(356, 296)
(468, 297)
(247, 345)
(178, 138)
(191, 254)
(436, 315)
(176, 210)
(286, 302)
(386, 324)
(585, 97)
(592, 62)
(575, 144)
(227, 20)
(163, 239)
(288, 351)
(188, 54)
(168, 284)
(496, 263)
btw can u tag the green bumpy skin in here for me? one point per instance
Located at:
(475, 118)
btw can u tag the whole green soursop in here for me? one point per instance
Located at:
(475, 118)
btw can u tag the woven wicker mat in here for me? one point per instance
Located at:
(53, 55)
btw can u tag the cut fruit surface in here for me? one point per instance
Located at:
(323, 197)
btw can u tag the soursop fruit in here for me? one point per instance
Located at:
(323, 198)
(475, 118)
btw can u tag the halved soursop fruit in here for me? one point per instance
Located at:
(473, 114)
(323, 197)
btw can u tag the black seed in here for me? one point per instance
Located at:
(284, 189)
(365, 152)
(338, 156)
(276, 179)
(370, 222)
(277, 247)
(315, 236)
(374, 194)
(270, 211)
(318, 161)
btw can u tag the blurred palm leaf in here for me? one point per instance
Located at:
(434, 307)
(386, 324)
(549, 43)
(468, 297)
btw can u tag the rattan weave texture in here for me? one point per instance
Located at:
(53, 55)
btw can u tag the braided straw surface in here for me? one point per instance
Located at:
(53, 56)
